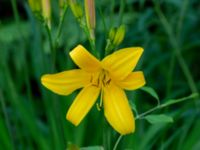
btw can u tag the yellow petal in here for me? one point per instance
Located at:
(82, 104)
(117, 109)
(122, 62)
(133, 81)
(66, 82)
(84, 59)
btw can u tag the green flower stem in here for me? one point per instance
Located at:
(53, 50)
(176, 49)
(181, 18)
(60, 26)
(117, 142)
(121, 11)
(16, 14)
(8, 125)
(91, 38)
(112, 13)
(17, 18)
(14, 7)
(149, 111)
(53, 100)
(106, 134)
(54, 44)
(168, 103)
(103, 20)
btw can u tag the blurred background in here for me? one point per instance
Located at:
(31, 117)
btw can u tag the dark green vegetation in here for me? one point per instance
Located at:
(34, 118)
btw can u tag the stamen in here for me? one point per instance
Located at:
(99, 105)
(108, 81)
(101, 80)
(101, 97)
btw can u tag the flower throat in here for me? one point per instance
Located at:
(100, 79)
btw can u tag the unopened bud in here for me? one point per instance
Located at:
(35, 5)
(90, 13)
(46, 11)
(119, 36)
(112, 33)
(62, 3)
(76, 9)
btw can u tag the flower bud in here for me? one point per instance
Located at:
(76, 9)
(62, 3)
(119, 36)
(46, 10)
(112, 33)
(90, 13)
(35, 5)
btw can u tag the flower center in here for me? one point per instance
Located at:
(101, 79)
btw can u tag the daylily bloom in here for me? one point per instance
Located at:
(106, 78)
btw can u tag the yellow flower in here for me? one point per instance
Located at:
(108, 77)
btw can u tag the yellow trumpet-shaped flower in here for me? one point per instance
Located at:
(108, 77)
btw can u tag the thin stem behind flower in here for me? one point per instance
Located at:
(60, 25)
(53, 50)
(91, 40)
(117, 142)
(142, 115)
(54, 43)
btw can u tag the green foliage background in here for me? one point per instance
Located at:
(31, 117)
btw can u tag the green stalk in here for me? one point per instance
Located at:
(91, 40)
(55, 104)
(148, 112)
(121, 11)
(60, 26)
(112, 9)
(117, 142)
(106, 135)
(53, 45)
(181, 18)
(168, 103)
(17, 18)
(53, 52)
(103, 20)
(16, 14)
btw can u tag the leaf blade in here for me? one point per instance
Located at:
(151, 92)
(160, 118)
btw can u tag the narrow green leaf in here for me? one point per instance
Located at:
(152, 92)
(161, 118)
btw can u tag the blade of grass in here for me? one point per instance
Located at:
(7, 122)
(27, 118)
(176, 48)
